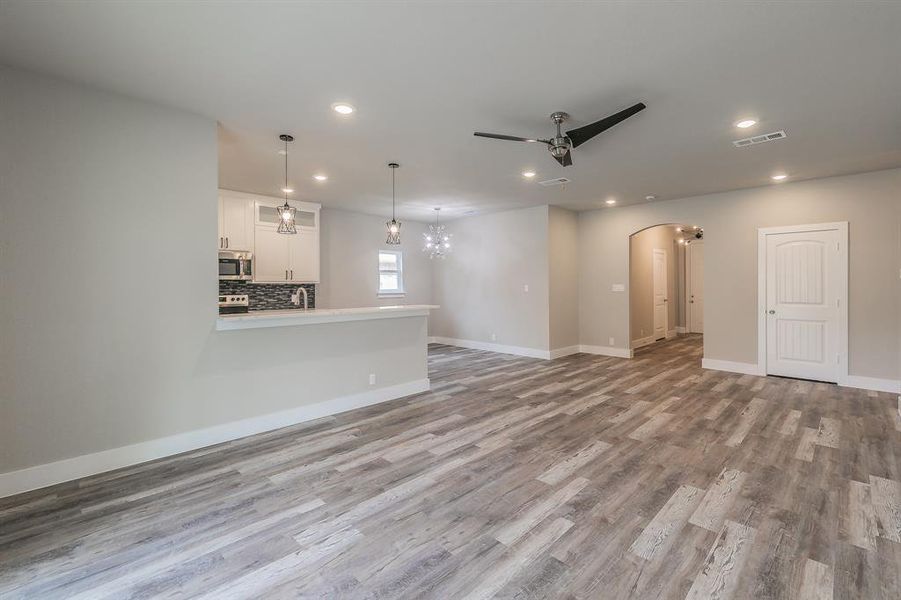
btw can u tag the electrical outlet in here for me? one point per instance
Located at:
(611, 342)
(642, 332)
(493, 337)
(372, 379)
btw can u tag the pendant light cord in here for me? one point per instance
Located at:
(392, 193)
(286, 171)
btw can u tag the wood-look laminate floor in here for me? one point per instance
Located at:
(582, 477)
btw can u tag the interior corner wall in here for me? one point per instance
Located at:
(641, 280)
(481, 285)
(869, 202)
(349, 246)
(563, 266)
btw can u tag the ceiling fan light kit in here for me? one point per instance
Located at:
(560, 146)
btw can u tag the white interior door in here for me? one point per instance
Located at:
(660, 300)
(804, 295)
(696, 287)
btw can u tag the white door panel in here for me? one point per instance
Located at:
(803, 303)
(696, 287)
(660, 300)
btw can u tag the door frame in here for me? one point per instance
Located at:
(842, 292)
(687, 303)
(654, 252)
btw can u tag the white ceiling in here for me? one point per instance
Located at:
(424, 76)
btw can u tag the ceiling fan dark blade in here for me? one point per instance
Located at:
(583, 134)
(512, 138)
(565, 160)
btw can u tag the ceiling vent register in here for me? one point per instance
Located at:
(556, 181)
(759, 139)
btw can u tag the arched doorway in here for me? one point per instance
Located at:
(666, 284)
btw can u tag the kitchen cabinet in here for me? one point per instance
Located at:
(236, 221)
(284, 258)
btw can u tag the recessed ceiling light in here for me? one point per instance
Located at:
(610, 201)
(650, 197)
(320, 177)
(528, 174)
(282, 152)
(778, 176)
(342, 109)
(745, 123)
(679, 229)
(288, 190)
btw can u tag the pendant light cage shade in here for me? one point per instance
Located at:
(393, 232)
(286, 212)
(437, 240)
(393, 225)
(286, 222)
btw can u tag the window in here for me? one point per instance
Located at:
(391, 273)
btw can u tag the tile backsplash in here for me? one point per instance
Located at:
(268, 296)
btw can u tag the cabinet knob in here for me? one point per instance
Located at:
(772, 312)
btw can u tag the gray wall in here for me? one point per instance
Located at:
(563, 266)
(105, 199)
(480, 285)
(870, 202)
(641, 279)
(349, 246)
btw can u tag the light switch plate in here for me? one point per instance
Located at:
(525, 288)
(618, 287)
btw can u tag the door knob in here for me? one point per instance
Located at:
(772, 312)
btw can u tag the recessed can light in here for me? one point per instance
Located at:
(650, 197)
(610, 201)
(745, 123)
(288, 190)
(529, 174)
(778, 176)
(342, 108)
(320, 177)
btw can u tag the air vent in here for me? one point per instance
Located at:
(557, 181)
(759, 139)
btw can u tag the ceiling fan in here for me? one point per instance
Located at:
(560, 145)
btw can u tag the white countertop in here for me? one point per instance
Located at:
(314, 316)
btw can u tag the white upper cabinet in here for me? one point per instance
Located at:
(285, 258)
(236, 216)
(271, 256)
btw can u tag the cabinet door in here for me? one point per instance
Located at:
(236, 223)
(305, 256)
(271, 257)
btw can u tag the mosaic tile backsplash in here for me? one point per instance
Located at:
(268, 296)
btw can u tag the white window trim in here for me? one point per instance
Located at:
(399, 293)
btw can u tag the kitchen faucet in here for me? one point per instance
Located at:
(295, 298)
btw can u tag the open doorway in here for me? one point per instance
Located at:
(666, 283)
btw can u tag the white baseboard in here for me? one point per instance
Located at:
(892, 386)
(730, 366)
(532, 352)
(16, 482)
(671, 333)
(566, 351)
(606, 351)
(681, 329)
(492, 347)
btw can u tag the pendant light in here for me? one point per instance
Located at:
(393, 225)
(286, 211)
(437, 240)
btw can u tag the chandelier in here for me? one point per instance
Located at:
(393, 225)
(286, 211)
(437, 239)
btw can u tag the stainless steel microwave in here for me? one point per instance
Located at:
(235, 265)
